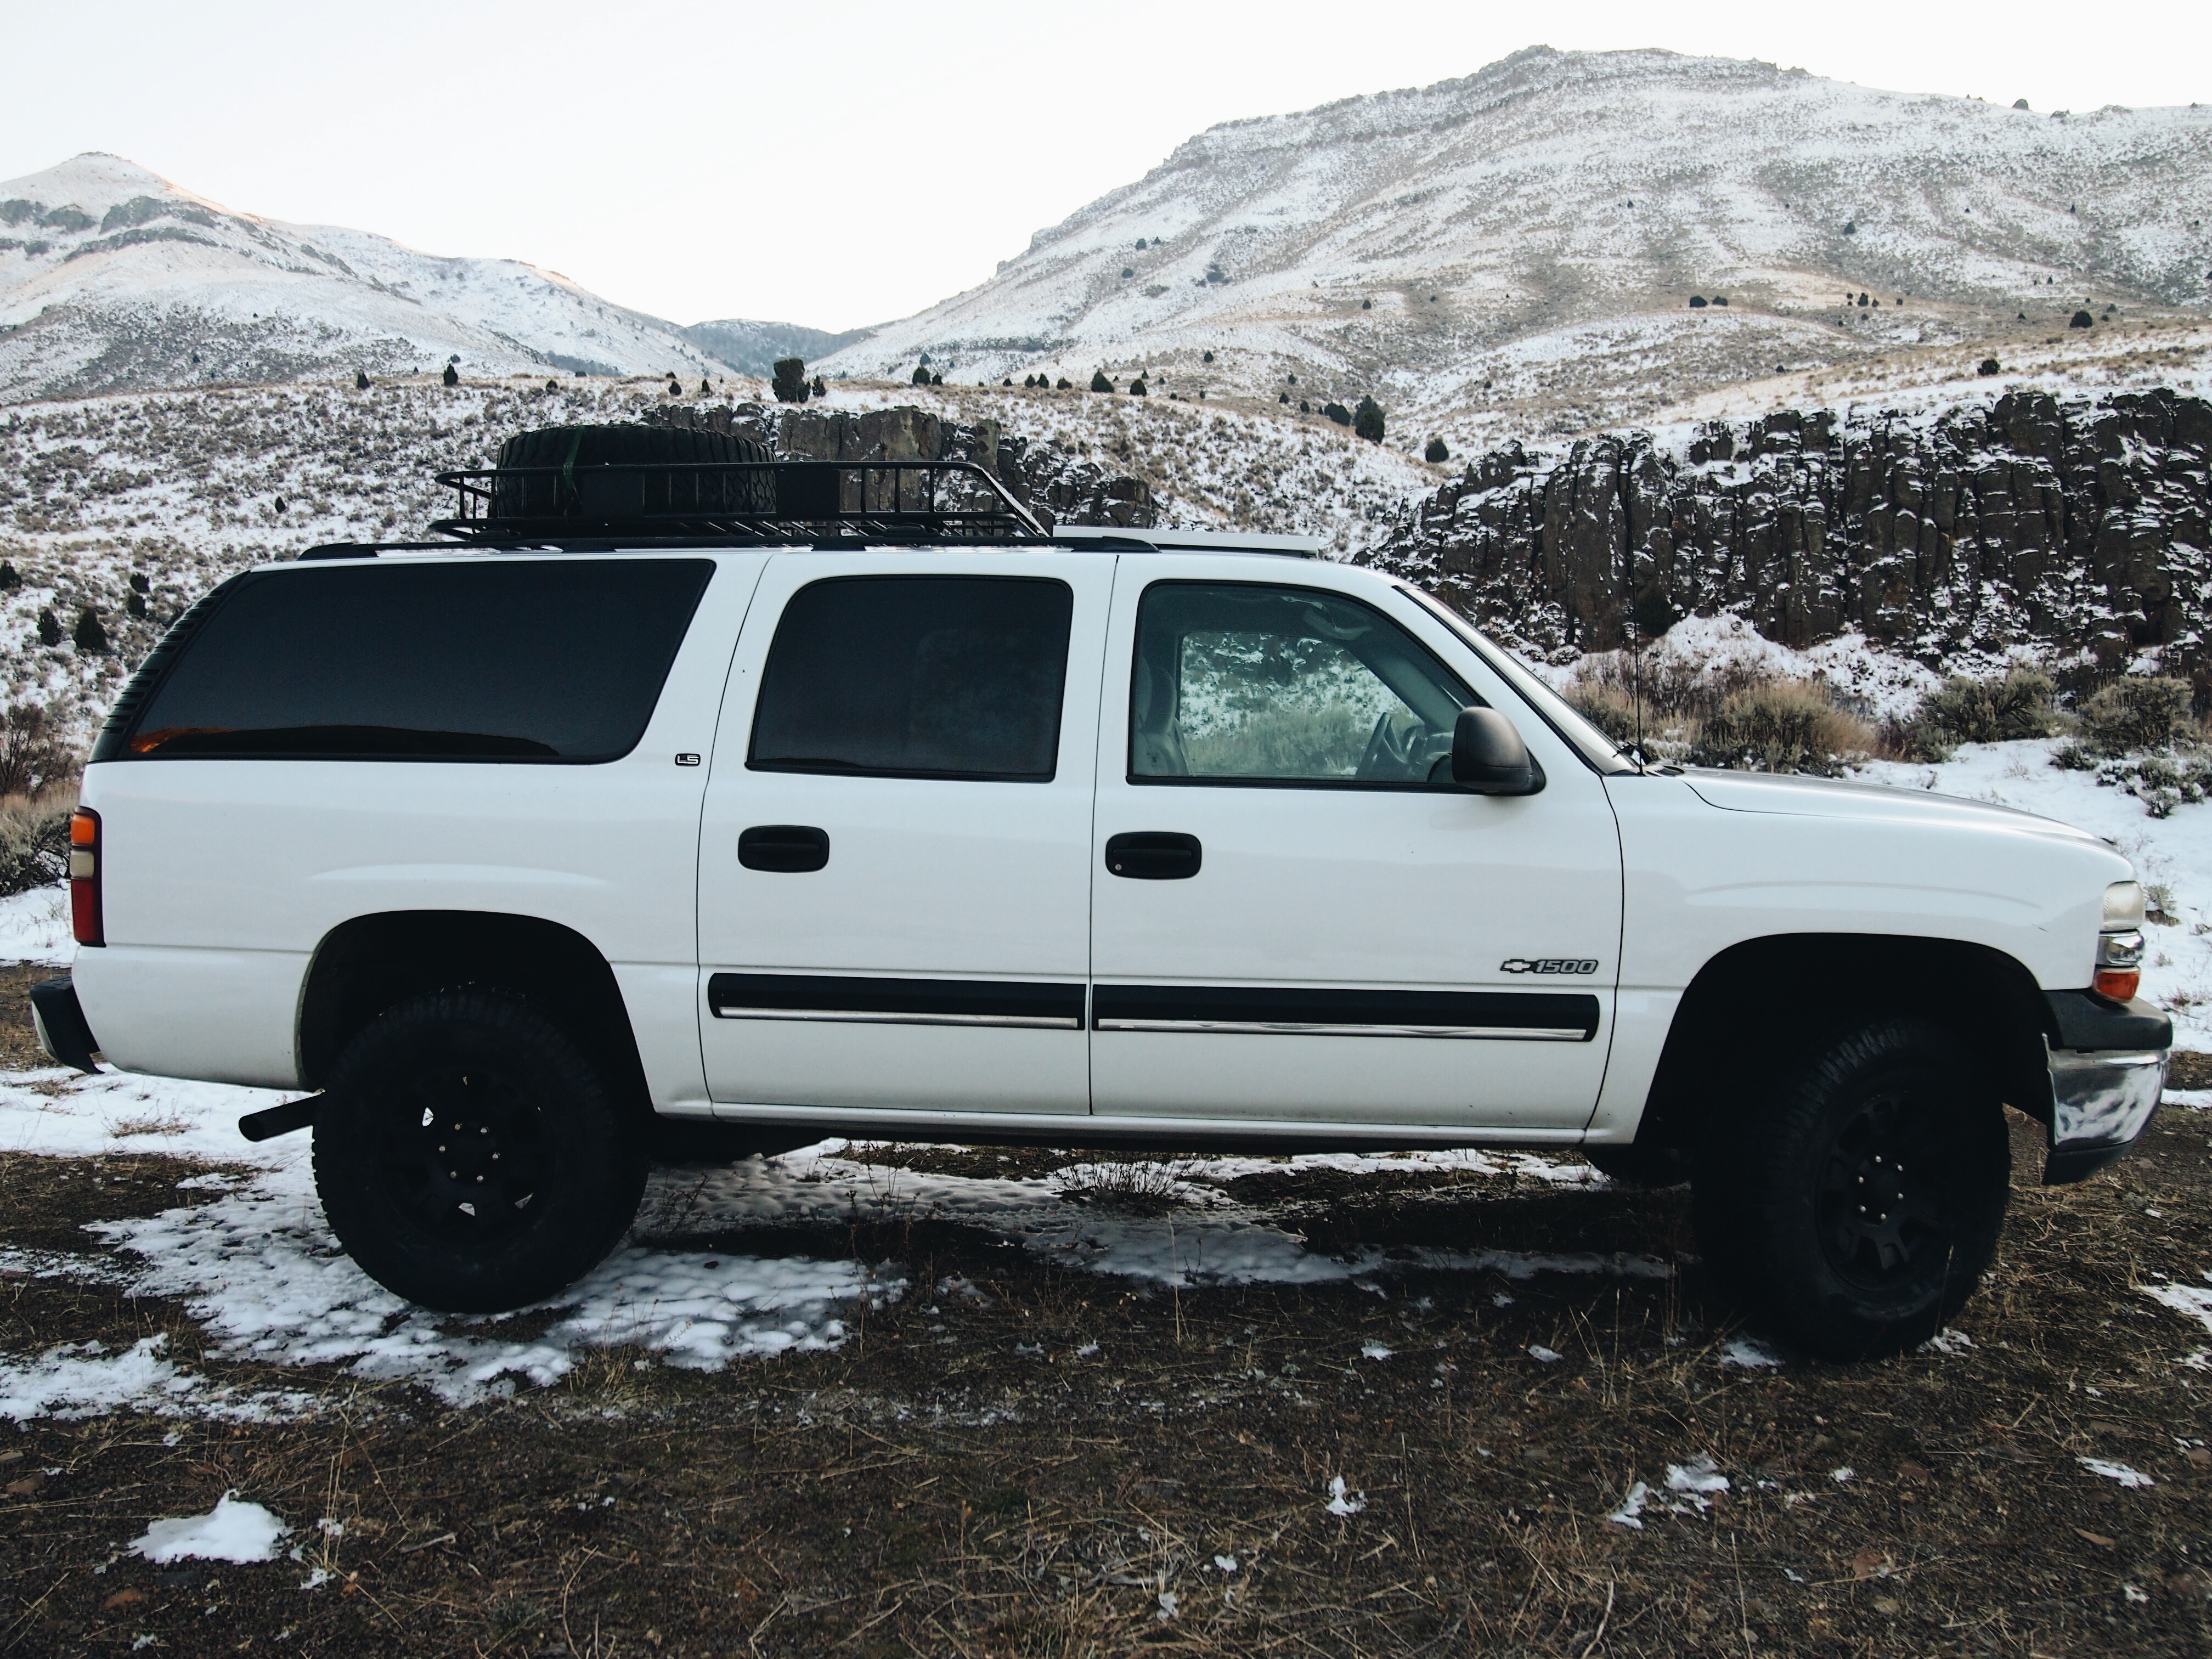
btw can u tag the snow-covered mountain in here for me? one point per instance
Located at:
(114, 279)
(1522, 247)
(752, 347)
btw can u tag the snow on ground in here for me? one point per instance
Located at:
(35, 927)
(232, 1531)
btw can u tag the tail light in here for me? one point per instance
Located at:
(85, 920)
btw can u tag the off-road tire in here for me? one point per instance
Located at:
(1859, 1205)
(556, 495)
(470, 1158)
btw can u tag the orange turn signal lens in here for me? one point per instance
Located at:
(84, 827)
(2120, 984)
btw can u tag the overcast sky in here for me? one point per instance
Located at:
(842, 164)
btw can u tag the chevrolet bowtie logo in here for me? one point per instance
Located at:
(1548, 965)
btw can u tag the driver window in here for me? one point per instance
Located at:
(1242, 683)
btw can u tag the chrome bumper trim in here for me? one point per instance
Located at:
(2102, 1097)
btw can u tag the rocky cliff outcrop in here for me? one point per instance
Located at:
(2080, 525)
(1039, 474)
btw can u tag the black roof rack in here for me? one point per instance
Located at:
(736, 504)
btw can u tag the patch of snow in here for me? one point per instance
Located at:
(1224, 1563)
(1632, 1507)
(2192, 1301)
(1839, 1476)
(1340, 1502)
(2120, 1472)
(83, 1379)
(1750, 1351)
(1538, 1351)
(1700, 1474)
(1947, 1342)
(232, 1531)
(35, 927)
(1374, 1351)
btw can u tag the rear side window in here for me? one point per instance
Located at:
(499, 660)
(917, 676)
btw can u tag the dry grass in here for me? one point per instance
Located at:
(1030, 1470)
(1725, 714)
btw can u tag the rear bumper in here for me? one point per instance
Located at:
(61, 1026)
(2107, 1070)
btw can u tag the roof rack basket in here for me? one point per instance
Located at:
(738, 503)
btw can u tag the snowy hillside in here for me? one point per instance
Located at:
(112, 279)
(184, 488)
(1514, 254)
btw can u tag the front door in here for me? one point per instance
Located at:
(895, 849)
(1295, 915)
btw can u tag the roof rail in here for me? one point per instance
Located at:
(1197, 541)
(736, 504)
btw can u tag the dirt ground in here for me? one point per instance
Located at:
(1026, 1461)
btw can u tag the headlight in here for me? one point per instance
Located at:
(2123, 907)
(2120, 944)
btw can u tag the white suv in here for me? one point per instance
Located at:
(505, 848)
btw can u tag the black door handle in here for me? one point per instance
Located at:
(1153, 855)
(793, 849)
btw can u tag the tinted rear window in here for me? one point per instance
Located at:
(509, 660)
(954, 677)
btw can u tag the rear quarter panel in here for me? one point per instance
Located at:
(220, 877)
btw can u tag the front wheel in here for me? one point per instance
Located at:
(470, 1158)
(1859, 1205)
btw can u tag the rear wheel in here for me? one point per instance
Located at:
(1861, 1204)
(468, 1156)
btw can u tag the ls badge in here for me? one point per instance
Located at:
(1548, 965)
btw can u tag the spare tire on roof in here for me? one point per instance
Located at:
(575, 485)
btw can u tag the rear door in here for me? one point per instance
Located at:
(895, 854)
(1296, 915)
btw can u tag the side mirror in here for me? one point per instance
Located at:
(1489, 758)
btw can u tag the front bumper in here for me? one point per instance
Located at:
(2107, 1072)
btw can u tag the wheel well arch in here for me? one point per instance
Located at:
(365, 965)
(1747, 1006)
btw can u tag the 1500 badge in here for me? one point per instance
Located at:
(1548, 965)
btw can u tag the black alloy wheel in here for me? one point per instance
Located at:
(463, 1152)
(1886, 1188)
(471, 1157)
(1858, 1204)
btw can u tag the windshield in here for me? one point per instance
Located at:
(1601, 752)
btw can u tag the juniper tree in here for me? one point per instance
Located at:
(50, 629)
(1368, 421)
(1099, 382)
(1436, 452)
(90, 637)
(790, 382)
(452, 376)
